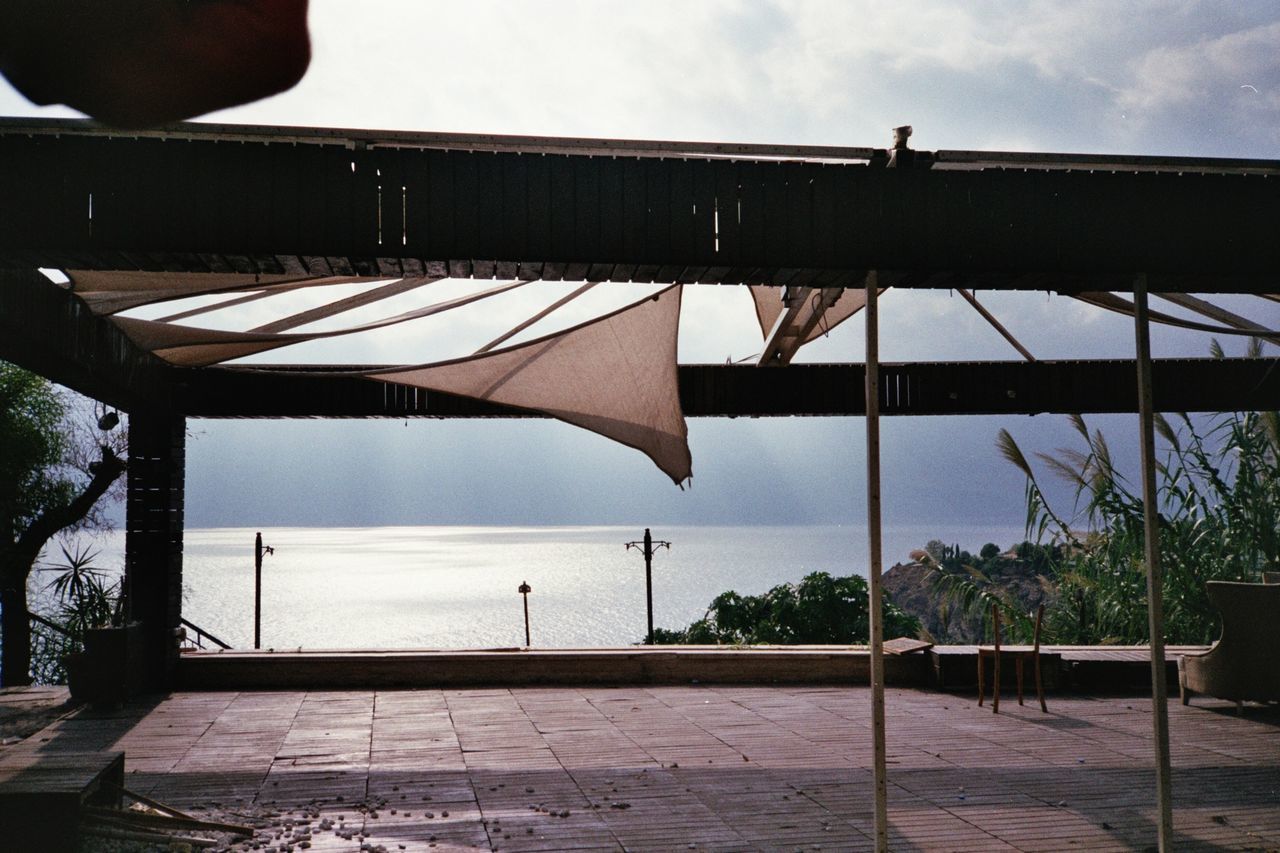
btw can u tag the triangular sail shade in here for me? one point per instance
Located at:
(615, 376)
(189, 346)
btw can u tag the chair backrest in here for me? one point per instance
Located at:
(1250, 615)
(995, 625)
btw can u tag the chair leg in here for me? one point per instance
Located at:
(995, 687)
(1239, 707)
(1040, 686)
(1019, 669)
(982, 677)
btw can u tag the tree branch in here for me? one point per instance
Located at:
(51, 521)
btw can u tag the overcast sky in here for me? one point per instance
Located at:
(1180, 78)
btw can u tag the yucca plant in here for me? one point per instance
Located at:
(85, 599)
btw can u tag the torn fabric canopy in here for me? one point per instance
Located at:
(768, 303)
(615, 376)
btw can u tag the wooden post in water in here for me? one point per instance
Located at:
(873, 569)
(1155, 582)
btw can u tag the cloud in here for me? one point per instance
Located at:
(1229, 84)
(1145, 76)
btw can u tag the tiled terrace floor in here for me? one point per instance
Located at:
(706, 768)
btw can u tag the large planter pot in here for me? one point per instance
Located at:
(109, 670)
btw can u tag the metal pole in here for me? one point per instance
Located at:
(648, 579)
(257, 591)
(873, 570)
(647, 547)
(1155, 603)
(524, 589)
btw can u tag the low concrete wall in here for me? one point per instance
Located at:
(509, 667)
(1078, 668)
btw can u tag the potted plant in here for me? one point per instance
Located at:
(99, 644)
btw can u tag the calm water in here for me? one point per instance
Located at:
(451, 587)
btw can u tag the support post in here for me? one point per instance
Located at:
(1155, 604)
(153, 539)
(873, 569)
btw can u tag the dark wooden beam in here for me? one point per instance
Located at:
(46, 330)
(154, 508)
(215, 203)
(965, 388)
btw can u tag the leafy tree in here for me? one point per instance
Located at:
(966, 588)
(52, 473)
(819, 610)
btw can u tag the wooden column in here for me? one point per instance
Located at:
(153, 538)
(873, 568)
(1155, 603)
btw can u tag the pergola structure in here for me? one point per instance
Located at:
(197, 201)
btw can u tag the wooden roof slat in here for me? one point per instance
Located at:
(257, 200)
(340, 306)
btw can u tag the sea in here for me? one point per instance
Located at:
(447, 587)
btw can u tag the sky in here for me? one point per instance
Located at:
(1170, 78)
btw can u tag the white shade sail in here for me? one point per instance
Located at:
(615, 376)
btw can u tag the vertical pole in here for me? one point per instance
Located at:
(648, 578)
(873, 569)
(527, 644)
(153, 539)
(1155, 603)
(257, 591)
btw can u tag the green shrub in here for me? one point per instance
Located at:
(819, 610)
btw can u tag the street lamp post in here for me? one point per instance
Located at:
(646, 547)
(258, 550)
(524, 589)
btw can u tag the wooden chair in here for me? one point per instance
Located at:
(1019, 654)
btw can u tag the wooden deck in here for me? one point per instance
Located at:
(693, 767)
